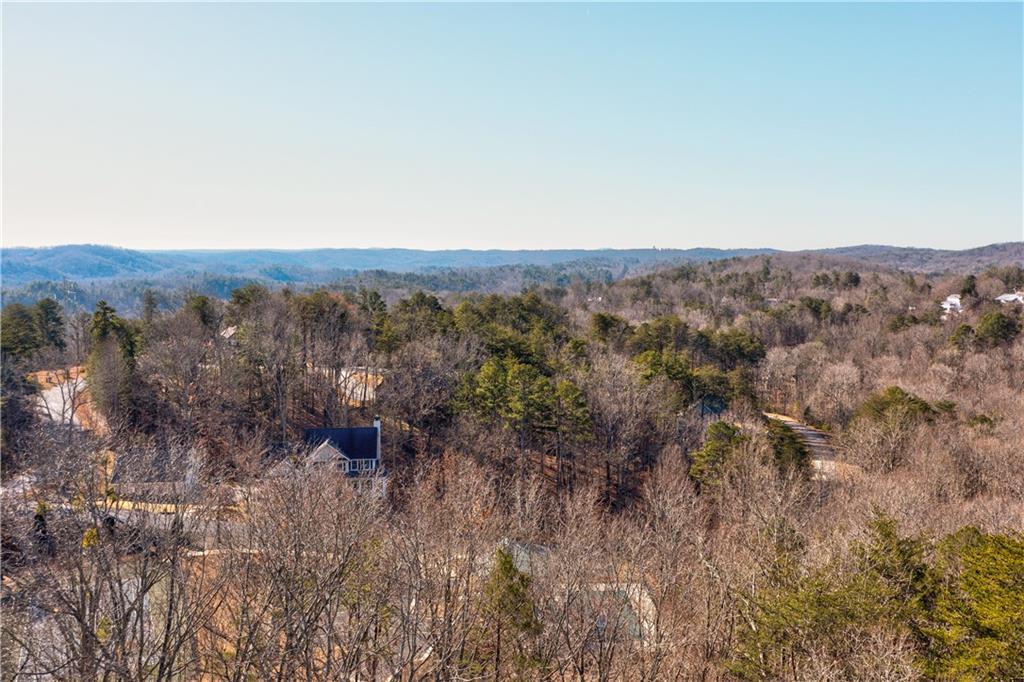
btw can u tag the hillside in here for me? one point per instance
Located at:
(91, 262)
(79, 262)
(87, 262)
(934, 260)
(593, 447)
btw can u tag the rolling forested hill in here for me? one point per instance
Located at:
(92, 262)
(935, 260)
(80, 275)
(86, 262)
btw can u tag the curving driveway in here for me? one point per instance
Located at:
(823, 453)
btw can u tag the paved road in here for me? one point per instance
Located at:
(816, 440)
(823, 453)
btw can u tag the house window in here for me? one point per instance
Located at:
(358, 465)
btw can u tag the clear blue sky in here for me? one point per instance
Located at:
(512, 126)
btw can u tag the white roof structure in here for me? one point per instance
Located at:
(951, 305)
(952, 302)
(1016, 297)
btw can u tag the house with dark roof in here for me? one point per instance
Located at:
(353, 451)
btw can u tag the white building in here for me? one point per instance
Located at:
(951, 306)
(1016, 297)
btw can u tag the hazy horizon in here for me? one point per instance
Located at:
(238, 126)
(751, 247)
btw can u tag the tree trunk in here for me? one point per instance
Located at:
(497, 655)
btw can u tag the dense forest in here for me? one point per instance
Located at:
(588, 478)
(80, 276)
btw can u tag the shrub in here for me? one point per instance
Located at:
(790, 451)
(892, 401)
(821, 309)
(996, 328)
(977, 623)
(962, 337)
(722, 439)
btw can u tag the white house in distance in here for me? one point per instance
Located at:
(951, 306)
(1015, 297)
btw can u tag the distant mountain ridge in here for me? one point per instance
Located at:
(84, 261)
(89, 262)
(920, 259)
(21, 265)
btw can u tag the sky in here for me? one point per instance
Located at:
(173, 126)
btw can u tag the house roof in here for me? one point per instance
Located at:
(952, 302)
(326, 454)
(354, 443)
